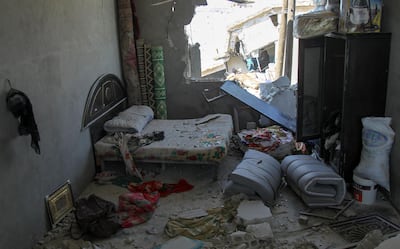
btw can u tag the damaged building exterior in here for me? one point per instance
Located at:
(53, 51)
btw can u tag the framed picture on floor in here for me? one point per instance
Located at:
(60, 203)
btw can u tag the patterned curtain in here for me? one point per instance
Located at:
(128, 50)
(160, 94)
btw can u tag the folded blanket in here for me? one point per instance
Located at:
(315, 182)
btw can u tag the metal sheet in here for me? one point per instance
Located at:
(259, 105)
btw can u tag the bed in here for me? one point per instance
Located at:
(202, 140)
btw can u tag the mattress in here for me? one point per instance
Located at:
(203, 140)
(315, 182)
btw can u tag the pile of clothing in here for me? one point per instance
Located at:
(273, 140)
(138, 205)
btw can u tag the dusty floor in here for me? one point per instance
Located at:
(207, 193)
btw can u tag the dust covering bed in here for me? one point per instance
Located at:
(202, 140)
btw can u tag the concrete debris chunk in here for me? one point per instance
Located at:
(181, 242)
(303, 220)
(240, 237)
(252, 212)
(371, 240)
(260, 231)
(241, 240)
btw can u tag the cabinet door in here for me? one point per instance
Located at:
(308, 92)
(332, 100)
(364, 92)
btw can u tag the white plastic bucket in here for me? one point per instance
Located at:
(364, 190)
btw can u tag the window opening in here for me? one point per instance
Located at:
(227, 36)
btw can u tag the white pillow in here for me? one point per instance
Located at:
(132, 120)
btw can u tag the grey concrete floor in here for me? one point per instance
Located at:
(208, 193)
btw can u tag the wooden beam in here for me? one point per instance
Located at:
(281, 41)
(289, 39)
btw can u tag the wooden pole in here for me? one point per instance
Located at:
(289, 38)
(281, 41)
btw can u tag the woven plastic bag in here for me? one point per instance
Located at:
(377, 140)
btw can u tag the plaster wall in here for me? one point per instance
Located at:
(391, 22)
(53, 51)
(160, 26)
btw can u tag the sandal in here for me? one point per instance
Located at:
(105, 176)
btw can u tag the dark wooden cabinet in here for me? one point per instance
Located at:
(342, 78)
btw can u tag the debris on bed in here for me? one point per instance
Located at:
(273, 140)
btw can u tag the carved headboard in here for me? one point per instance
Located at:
(106, 98)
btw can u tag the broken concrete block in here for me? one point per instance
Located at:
(181, 242)
(252, 212)
(241, 246)
(260, 231)
(242, 239)
(371, 240)
(303, 220)
(390, 243)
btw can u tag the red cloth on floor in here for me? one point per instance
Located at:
(136, 208)
(139, 204)
(164, 189)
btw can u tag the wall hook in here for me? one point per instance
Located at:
(9, 83)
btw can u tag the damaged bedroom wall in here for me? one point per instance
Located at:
(53, 51)
(391, 22)
(160, 26)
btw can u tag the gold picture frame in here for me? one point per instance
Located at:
(60, 203)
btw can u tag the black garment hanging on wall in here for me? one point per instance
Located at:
(20, 106)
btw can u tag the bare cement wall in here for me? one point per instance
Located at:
(160, 26)
(53, 51)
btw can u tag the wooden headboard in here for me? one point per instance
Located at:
(106, 98)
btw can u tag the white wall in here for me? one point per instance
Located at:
(53, 51)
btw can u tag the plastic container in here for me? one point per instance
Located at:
(364, 190)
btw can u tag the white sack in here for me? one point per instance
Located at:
(377, 140)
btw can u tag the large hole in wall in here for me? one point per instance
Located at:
(226, 36)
